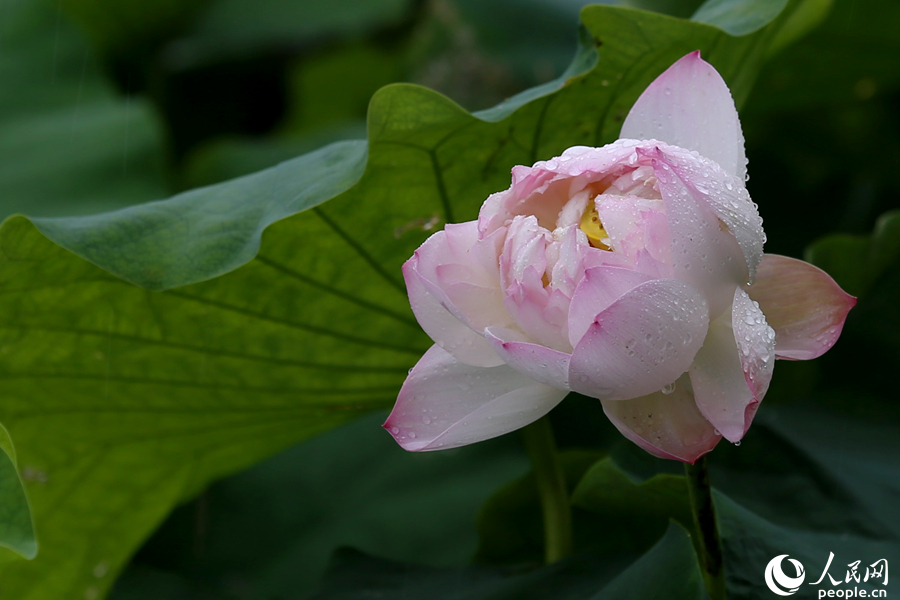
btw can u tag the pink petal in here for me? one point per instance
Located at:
(600, 287)
(443, 326)
(453, 283)
(731, 373)
(665, 425)
(537, 309)
(690, 106)
(444, 403)
(542, 364)
(643, 341)
(726, 196)
(802, 303)
(704, 252)
(755, 341)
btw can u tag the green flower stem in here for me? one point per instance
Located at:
(710, 545)
(551, 482)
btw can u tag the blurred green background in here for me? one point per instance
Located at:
(125, 102)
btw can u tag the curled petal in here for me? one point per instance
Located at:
(542, 364)
(445, 403)
(690, 106)
(665, 425)
(643, 341)
(802, 303)
(731, 373)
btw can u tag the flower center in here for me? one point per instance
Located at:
(593, 228)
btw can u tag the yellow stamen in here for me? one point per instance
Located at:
(591, 225)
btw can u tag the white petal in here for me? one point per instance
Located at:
(445, 403)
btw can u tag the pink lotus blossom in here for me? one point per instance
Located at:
(632, 273)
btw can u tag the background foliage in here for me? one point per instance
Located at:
(249, 329)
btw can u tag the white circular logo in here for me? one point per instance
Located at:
(780, 583)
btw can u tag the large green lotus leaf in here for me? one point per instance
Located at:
(751, 541)
(668, 570)
(16, 529)
(68, 144)
(274, 526)
(803, 482)
(125, 400)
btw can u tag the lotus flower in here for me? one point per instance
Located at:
(632, 273)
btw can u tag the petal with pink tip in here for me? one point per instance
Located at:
(600, 287)
(665, 425)
(542, 364)
(804, 305)
(731, 373)
(689, 105)
(444, 403)
(640, 343)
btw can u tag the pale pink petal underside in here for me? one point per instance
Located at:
(600, 287)
(642, 342)
(802, 303)
(665, 425)
(689, 105)
(445, 403)
(443, 326)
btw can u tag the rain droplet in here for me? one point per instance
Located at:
(668, 389)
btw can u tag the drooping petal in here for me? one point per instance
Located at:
(442, 326)
(665, 425)
(689, 105)
(704, 252)
(641, 342)
(731, 373)
(600, 287)
(542, 364)
(445, 403)
(802, 303)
